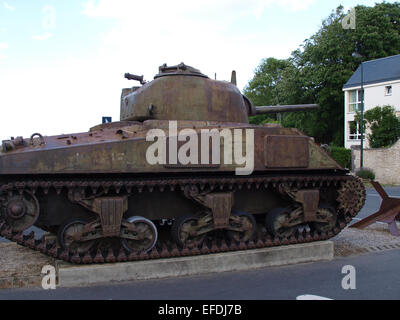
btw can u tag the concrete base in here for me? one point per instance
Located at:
(71, 275)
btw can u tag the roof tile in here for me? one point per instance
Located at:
(376, 71)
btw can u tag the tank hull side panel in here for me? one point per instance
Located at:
(127, 154)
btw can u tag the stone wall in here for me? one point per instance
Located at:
(385, 162)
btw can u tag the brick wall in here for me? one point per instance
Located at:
(385, 162)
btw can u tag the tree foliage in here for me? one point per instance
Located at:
(266, 87)
(341, 156)
(317, 71)
(384, 126)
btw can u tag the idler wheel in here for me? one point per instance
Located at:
(278, 223)
(244, 226)
(16, 209)
(328, 215)
(69, 234)
(21, 211)
(187, 230)
(141, 236)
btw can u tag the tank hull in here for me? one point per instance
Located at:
(123, 149)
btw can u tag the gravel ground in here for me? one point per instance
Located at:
(373, 238)
(20, 266)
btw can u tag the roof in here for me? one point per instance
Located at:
(376, 71)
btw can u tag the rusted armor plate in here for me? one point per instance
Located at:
(286, 151)
(221, 207)
(309, 199)
(110, 211)
(173, 160)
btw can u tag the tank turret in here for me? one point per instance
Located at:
(182, 92)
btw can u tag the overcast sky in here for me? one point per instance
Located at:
(62, 62)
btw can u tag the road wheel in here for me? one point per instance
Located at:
(244, 221)
(68, 234)
(185, 230)
(277, 223)
(328, 215)
(145, 233)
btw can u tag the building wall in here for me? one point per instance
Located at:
(385, 162)
(374, 96)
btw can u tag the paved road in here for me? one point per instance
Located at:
(372, 204)
(377, 277)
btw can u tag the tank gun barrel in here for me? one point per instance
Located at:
(286, 108)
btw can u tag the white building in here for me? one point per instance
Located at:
(381, 87)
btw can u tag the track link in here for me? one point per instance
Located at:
(351, 198)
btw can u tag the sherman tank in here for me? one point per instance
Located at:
(182, 173)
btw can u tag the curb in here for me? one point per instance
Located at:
(71, 275)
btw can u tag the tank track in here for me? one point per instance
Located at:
(351, 198)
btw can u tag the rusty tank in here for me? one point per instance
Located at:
(182, 173)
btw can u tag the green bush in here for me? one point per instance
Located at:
(384, 125)
(262, 119)
(341, 156)
(366, 173)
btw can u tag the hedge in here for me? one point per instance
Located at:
(366, 173)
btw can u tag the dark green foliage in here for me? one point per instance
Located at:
(384, 126)
(261, 119)
(317, 71)
(341, 156)
(264, 88)
(366, 173)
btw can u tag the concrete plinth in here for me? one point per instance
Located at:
(71, 275)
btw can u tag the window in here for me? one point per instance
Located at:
(355, 98)
(354, 131)
(388, 90)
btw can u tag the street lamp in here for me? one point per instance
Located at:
(359, 56)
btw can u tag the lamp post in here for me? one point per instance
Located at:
(357, 55)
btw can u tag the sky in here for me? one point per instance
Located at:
(62, 62)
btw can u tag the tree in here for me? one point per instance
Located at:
(266, 86)
(384, 126)
(317, 71)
